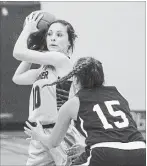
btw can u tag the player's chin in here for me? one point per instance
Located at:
(52, 49)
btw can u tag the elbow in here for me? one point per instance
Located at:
(14, 79)
(18, 54)
(19, 81)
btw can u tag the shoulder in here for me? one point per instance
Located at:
(72, 107)
(72, 101)
(58, 55)
(60, 60)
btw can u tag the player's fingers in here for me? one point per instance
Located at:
(73, 157)
(73, 149)
(29, 138)
(37, 15)
(26, 20)
(27, 129)
(75, 145)
(31, 127)
(71, 152)
(31, 16)
(27, 133)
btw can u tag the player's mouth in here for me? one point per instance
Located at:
(53, 45)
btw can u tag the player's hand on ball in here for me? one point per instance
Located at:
(34, 132)
(31, 21)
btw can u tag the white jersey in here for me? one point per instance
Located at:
(42, 104)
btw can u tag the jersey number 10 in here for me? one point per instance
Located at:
(104, 120)
(36, 97)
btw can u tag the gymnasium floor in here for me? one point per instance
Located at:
(13, 148)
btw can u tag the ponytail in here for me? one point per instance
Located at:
(75, 71)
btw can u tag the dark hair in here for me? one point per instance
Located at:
(70, 30)
(37, 40)
(88, 71)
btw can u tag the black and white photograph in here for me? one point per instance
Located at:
(73, 83)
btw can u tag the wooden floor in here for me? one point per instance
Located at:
(14, 148)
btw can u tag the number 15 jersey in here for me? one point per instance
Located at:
(104, 116)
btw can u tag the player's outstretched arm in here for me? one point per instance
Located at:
(67, 112)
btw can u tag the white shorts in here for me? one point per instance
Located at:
(39, 155)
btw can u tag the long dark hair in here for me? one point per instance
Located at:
(88, 71)
(37, 40)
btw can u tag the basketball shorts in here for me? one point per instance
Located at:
(105, 156)
(39, 155)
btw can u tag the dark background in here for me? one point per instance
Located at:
(14, 98)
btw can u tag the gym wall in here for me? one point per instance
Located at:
(14, 98)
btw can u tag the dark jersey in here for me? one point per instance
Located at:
(104, 116)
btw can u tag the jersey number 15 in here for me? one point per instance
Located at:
(113, 113)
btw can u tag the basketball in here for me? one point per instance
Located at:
(45, 20)
(36, 40)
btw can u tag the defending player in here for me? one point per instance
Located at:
(55, 63)
(102, 114)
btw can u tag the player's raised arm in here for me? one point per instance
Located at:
(22, 53)
(30, 27)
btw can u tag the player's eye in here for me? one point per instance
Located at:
(49, 33)
(59, 34)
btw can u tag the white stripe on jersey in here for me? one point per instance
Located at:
(82, 126)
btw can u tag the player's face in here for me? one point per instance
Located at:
(57, 38)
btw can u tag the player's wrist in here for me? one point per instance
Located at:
(45, 139)
(26, 31)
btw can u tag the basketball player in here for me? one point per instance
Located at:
(55, 63)
(102, 114)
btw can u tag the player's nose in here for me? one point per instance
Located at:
(53, 38)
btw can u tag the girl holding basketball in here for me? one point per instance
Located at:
(55, 63)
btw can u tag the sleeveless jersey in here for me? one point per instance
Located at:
(104, 116)
(45, 101)
(42, 104)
